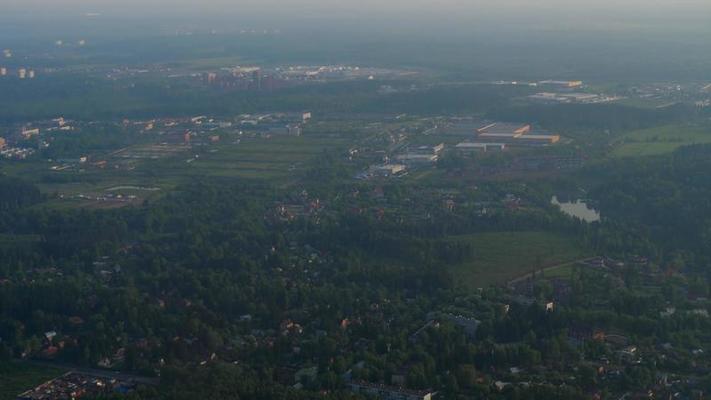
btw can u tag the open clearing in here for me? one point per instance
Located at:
(665, 139)
(263, 158)
(157, 169)
(16, 378)
(502, 256)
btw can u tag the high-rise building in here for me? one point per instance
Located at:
(257, 78)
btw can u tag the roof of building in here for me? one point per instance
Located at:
(417, 157)
(503, 127)
(500, 134)
(561, 83)
(380, 386)
(540, 137)
(479, 145)
(391, 168)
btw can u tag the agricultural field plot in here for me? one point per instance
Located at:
(16, 378)
(152, 151)
(25, 169)
(102, 188)
(146, 172)
(660, 140)
(642, 103)
(563, 272)
(502, 256)
(274, 158)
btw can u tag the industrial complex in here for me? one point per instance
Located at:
(498, 135)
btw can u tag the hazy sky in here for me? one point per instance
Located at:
(354, 15)
(553, 34)
(365, 6)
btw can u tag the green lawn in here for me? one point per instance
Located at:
(500, 257)
(659, 140)
(563, 272)
(260, 158)
(16, 378)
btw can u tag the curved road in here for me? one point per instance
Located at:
(552, 267)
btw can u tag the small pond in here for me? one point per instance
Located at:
(578, 209)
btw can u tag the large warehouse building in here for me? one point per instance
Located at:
(514, 134)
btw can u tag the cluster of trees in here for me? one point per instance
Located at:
(612, 117)
(661, 203)
(171, 281)
(16, 194)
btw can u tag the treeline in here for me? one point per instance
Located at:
(663, 201)
(96, 99)
(15, 194)
(611, 117)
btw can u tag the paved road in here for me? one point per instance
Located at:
(552, 267)
(98, 373)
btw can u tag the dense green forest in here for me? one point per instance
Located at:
(171, 282)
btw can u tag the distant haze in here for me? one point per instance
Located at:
(325, 8)
(534, 29)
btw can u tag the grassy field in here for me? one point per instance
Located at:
(659, 140)
(280, 159)
(16, 378)
(642, 103)
(562, 272)
(274, 158)
(500, 257)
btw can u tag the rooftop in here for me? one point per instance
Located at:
(479, 145)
